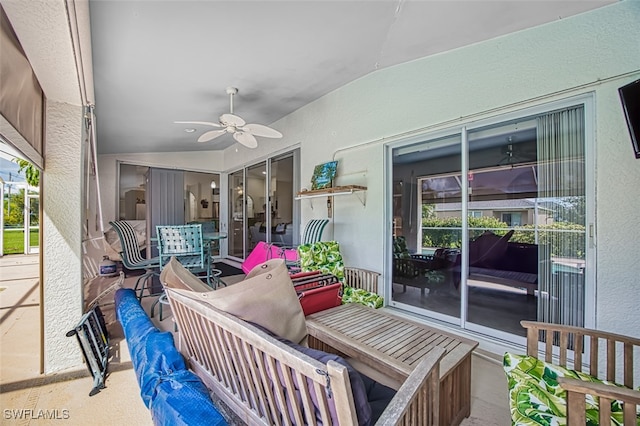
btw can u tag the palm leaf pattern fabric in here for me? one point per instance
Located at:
(536, 398)
(325, 256)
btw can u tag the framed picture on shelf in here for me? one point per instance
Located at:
(323, 175)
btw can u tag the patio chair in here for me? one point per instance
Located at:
(132, 258)
(312, 234)
(186, 244)
(313, 231)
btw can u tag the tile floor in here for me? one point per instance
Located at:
(26, 397)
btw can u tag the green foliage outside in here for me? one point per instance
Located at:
(31, 172)
(13, 241)
(13, 209)
(562, 238)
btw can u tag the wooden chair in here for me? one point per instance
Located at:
(594, 352)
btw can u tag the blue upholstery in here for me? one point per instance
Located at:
(173, 394)
(132, 258)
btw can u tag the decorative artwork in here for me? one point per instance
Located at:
(323, 175)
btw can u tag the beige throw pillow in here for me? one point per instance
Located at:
(265, 297)
(174, 275)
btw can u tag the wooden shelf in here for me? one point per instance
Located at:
(336, 190)
(330, 192)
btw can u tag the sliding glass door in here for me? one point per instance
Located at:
(261, 206)
(489, 223)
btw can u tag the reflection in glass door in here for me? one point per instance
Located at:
(281, 199)
(425, 253)
(491, 231)
(258, 220)
(261, 206)
(236, 214)
(32, 223)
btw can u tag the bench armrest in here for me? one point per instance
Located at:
(576, 407)
(418, 396)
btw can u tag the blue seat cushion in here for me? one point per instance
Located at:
(370, 397)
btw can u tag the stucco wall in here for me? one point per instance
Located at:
(594, 52)
(62, 232)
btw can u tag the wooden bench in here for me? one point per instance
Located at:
(238, 362)
(601, 354)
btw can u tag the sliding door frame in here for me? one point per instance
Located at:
(587, 100)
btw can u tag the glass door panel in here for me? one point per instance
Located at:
(495, 234)
(503, 256)
(258, 206)
(236, 214)
(281, 197)
(32, 223)
(527, 248)
(427, 232)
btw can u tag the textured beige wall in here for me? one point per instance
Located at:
(62, 233)
(595, 52)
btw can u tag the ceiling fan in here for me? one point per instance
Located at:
(230, 123)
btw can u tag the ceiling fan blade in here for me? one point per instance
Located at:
(232, 120)
(212, 134)
(246, 139)
(261, 130)
(204, 123)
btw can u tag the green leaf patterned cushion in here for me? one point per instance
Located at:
(536, 398)
(362, 296)
(322, 256)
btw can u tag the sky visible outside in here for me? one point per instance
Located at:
(8, 167)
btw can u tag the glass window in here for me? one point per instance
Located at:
(518, 215)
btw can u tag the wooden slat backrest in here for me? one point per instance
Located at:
(601, 344)
(244, 360)
(239, 363)
(361, 278)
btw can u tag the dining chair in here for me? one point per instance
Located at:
(185, 243)
(132, 258)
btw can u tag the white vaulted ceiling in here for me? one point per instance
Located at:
(156, 62)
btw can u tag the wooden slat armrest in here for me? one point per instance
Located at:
(600, 389)
(576, 407)
(418, 399)
(361, 278)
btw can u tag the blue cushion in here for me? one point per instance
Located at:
(378, 396)
(370, 397)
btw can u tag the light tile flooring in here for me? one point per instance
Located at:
(26, 397)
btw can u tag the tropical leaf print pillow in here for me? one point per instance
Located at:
(536, 398)
(322, 256)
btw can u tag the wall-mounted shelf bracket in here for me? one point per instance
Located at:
(360, 192)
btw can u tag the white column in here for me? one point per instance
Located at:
(61, 199)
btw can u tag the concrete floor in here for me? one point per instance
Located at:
(27, 397)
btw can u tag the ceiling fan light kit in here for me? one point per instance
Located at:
(230, 123)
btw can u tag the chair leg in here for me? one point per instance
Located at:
(162, 300)
(213, 278)
(144, 279)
